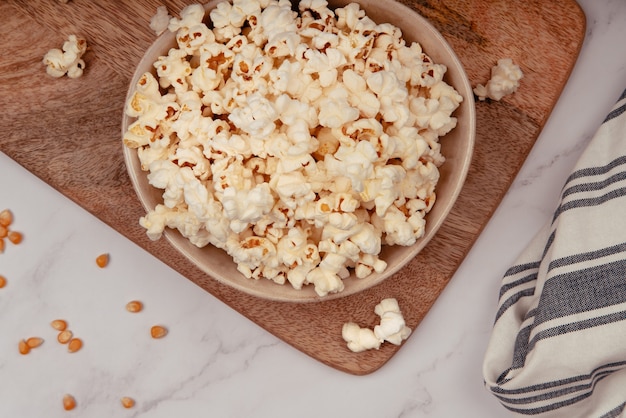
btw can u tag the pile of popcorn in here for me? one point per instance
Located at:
(298, 142)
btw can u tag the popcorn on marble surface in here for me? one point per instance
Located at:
(298, 142)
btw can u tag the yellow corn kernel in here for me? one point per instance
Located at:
(64, 336)
(15, 237)
(59, 324)
(6, 218)
(34, 342)
(134, 306)
(69, 402)
(102, 260)
(74, 345)
(158, 331)
(127, 402)
(23, 347)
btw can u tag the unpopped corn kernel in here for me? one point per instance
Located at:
(74, 345)
(127, 402)
(15, 237)
(102, 260)
(134, 306)
(6, 217)
(69, 402)
(59, 324)
(158, 331)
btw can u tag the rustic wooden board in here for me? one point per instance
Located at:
(67, 132)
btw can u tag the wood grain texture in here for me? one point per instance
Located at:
(67, 132)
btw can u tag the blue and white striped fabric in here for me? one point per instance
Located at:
(558, 346)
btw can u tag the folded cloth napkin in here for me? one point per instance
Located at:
(558, 345)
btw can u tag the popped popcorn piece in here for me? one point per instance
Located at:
(191, 38)
(173, 70)
(334, 108)
(67, 60)
(327, 277)
(391, 93)
(257, 118)
(324, 64)
(190, 16)
(228, 18)
(243, 207)
(299, 142)
(505, 77)
(360, 97)
(359, 339)
(392, 328)
(251, 253)
(292, 188)
(355, 162)
(296, 250)
(289, 78)
(368, 263)
(160, 21)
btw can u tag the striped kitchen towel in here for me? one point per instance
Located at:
(558, 345)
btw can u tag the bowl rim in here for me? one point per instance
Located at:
(352, 285)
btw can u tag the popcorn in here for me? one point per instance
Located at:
(160, 21)
(228, 19)
(289, 78)
(360, 97)
(155, 221)
(324, 64)
(327, 277)
(292, 188)
(391, 328)
(244, 207)
(298, 142)
(190, 39)
(356, 162)
(368, 263)
(391, 94)
(505, 77)
(173, 70)
(190, 16)
(397, 228)
(334, 108)
(257, 118)
(359, 339)
(148, 104)
(348, 16)
(67, 60)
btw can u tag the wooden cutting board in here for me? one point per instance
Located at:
(67, 132)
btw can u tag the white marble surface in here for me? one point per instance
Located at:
(215, 362)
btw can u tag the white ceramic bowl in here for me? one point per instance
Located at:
(457, 147)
